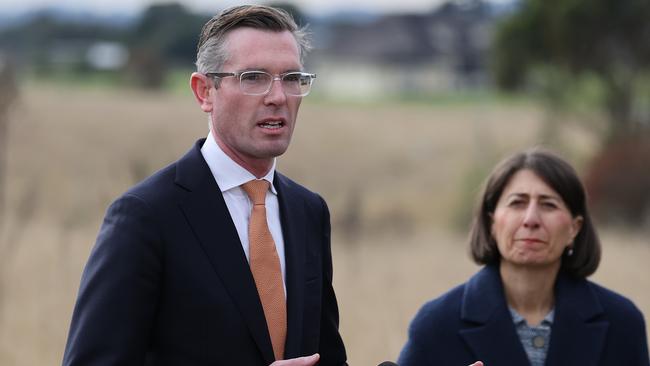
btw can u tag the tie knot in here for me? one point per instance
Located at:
(256, 190)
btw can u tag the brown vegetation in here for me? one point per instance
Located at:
(397, 178)
(618, 182)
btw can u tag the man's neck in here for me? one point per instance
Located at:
(258, 167)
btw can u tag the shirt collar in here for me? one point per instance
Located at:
(226, 171)
(518, 319)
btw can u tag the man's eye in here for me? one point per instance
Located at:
(291, 78)
(253, 77)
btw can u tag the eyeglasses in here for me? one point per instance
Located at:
(297, 84)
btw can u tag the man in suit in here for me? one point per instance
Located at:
(177, 275)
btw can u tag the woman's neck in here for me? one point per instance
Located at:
(529, 291)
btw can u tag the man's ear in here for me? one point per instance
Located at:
(201, 86)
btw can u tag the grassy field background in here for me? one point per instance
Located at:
(399, 179)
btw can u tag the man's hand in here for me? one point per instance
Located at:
(477, 363)
(302, 361)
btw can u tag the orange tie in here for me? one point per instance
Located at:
(265, 266)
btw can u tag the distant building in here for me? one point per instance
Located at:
(443, 50)
(104, 55)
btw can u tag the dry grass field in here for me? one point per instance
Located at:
(398, 178)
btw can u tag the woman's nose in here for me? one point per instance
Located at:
(531, 218)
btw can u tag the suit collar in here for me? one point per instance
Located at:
(208, 216)
(292, 215)
(192, 170)
(490, 330)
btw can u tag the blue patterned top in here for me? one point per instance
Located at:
(534, 339)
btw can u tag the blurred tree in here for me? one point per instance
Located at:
(567, 41)
(8, 94)
(564, 47)
(165, 36)
(618, 180)
(170, 29)
(147, 67)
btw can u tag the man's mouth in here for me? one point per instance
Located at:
(271, 124)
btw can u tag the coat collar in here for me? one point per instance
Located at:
(490, 330)
(578, 333)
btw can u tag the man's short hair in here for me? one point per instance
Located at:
(211, 51)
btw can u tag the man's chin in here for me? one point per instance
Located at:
(273, 151)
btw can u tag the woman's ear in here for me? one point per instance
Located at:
(576, 225)
(201, 86)
(491, 222)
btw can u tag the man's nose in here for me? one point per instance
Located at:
(276, 95)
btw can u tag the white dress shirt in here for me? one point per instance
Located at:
(230, 176)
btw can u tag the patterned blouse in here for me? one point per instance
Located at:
(534, 339)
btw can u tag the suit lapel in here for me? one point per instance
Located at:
(207, 214)
(491, 336)
(576, 338)
(292, 213)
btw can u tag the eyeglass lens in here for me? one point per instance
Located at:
(257, 82)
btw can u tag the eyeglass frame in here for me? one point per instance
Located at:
(279, 77)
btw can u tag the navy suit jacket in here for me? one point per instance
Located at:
(168, 283)
(592, 326)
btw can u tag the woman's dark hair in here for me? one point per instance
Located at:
(560, 176)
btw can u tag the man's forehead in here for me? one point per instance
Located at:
(255, 48)
(247, 35)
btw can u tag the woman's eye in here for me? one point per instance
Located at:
(549, 204)
(516, 203)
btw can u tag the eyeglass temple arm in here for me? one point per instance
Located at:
(220, 74)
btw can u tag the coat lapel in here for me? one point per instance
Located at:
(207, 214)
(576, 335)
(292, 216)
(491, 335)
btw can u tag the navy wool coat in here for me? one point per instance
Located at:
(593, 326)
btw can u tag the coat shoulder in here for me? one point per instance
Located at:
(156, 186)
(439, 314)
(616, 305)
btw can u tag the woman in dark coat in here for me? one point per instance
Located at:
(531, 303)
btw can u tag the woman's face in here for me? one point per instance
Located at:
(531, 223)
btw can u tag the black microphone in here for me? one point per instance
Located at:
(388, 363)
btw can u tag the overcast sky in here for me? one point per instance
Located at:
(310, 6)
